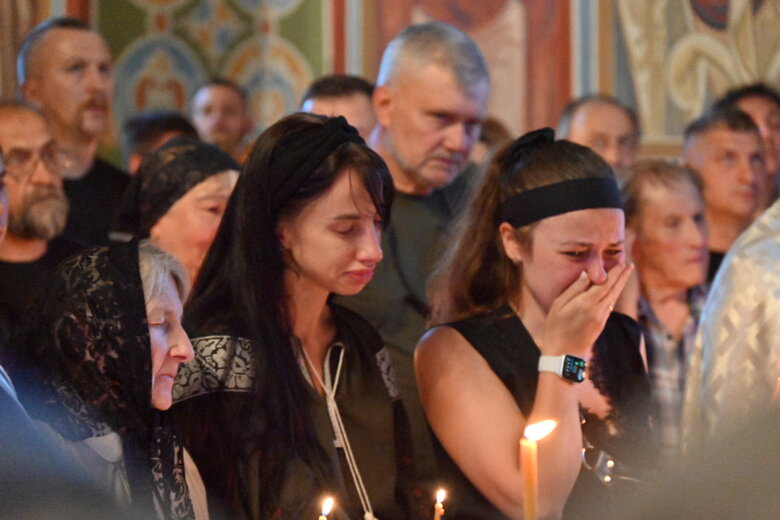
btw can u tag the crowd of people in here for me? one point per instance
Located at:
(376, 297)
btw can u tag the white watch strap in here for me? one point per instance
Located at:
(552, 364)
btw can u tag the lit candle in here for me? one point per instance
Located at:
(528, 465)
(327, 505)
(438, 509)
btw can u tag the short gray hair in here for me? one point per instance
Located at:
(34, 37)
(439, 43)
(155, 266)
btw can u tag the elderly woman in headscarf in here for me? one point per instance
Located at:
(96, 365)
(177, 199)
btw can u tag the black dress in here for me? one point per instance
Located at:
(617, 371)
(213, 401)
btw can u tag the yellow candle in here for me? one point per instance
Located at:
(327, 505)
(529, 465)
(438, 509)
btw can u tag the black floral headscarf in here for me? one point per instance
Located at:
(86, 371)
(164, 177)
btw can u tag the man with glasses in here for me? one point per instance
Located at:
(37, 210)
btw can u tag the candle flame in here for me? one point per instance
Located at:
(440, 496)
(327, 505)
(540, 430)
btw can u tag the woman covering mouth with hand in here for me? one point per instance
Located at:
(522, 303)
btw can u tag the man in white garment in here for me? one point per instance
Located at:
(735, 369)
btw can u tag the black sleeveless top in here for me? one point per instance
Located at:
(616, 370)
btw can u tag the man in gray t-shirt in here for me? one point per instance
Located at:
(430, 100)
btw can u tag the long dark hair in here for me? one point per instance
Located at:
(241, 290)
(475, 275)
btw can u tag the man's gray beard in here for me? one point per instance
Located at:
(41, 216)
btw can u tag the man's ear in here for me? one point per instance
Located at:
(30, 90)
(249, 125)
(383, 104)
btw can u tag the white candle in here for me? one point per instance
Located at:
(327, 505)
(438, 509)
(529, 465)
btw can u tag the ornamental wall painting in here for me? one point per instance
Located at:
(668, 58)
(177, 44)
(671, 58)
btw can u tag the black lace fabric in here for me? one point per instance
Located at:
(83, 366)
(166, 176)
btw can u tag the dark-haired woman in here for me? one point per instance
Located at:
(524, 300)
(290, 397)
(96, 366)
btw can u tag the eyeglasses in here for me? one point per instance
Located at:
(20, 163)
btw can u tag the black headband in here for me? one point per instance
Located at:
(562, 197)
(554, 199)
(524, 145)
(302, 152)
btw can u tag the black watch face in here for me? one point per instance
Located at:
(574, 369)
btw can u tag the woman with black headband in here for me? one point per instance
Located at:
(292, 398)
(524, 300)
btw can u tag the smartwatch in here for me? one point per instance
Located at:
(568, 367)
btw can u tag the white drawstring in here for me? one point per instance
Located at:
(330, 387)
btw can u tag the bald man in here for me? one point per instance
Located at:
(605, 125)
(65, 70)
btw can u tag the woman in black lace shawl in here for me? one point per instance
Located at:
(292, 397)
(84, 369)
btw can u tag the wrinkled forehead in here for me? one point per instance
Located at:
(68, 42)
(219, 184)
(584, 226)
(421, 76)
(221, 95)
(22, 128)
(759, 104)
(721, 138)
(668, 192)
(602, 115)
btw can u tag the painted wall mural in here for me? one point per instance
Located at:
(668, 58)
(525, 42)
(682, 55)
(178, 44)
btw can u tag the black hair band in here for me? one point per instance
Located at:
(299, 154)
(562, 197)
